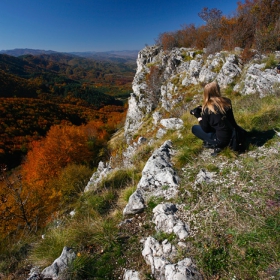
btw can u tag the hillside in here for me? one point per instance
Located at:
(162, 207)
(39, 91)
(113, 78)
(125, 55)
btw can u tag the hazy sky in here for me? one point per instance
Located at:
(96, 25)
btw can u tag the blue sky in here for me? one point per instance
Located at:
(96, 25)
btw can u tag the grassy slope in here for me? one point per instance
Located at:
(234, 221)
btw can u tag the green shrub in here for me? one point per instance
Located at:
(100, 202)
(71, 182)
(128, 192)
(13, 254)
(118, 179)
(153, 202)
(161, 236)
(270, 62)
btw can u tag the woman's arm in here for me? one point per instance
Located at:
(205, 122)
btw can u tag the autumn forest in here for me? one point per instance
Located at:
(57, 111)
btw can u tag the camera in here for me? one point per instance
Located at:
(196, 111)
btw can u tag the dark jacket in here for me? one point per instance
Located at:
(216, 123)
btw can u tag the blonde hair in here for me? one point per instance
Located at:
(213, 100)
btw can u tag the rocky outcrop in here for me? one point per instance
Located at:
(183, 67)
(259, 80)
(158, 179)
(131, 275)
(183, 270)
(136, 203)
(102, 171)
(179, 70)
(159, 257)
(131, 151)
(166, 221)
(169, 124)
(57, 269)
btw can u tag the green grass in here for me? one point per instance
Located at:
(13, 254)
(270, 62)
(238, 219)
(161, 236)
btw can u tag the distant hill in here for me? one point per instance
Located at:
(60, 73)
(19, 52)
(114, 56)
(38, 91)
(123, 54)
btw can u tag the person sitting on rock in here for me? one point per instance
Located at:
(212, 128)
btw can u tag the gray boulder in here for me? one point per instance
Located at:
(183, 270)
(136, 204)
(160, 255)
(258, 80)
(103, 170)
(172, 123)
(158, 172)
(60, 265)
(158, 179)
(131, 275)
(166, 221)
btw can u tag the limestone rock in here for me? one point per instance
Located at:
(172, 123)
(166, 221)
(130, 152)
(56, 269)
(257, 80)
(230, 70)
(103, 170)
(158, 172)
(156, 117)
(159, 257)
(34, 274)
(131, 275)
(204, 177)
(183, 270)
(135, 204)
(160, 133)
(156, 255)
(169, 96)
(158, 179)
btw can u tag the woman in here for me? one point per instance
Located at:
(213, 118)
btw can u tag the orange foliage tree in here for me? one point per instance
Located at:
(28, 200)
(255, 24)
(62, 145)
(20, 207)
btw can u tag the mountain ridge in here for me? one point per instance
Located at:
(128, 54)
